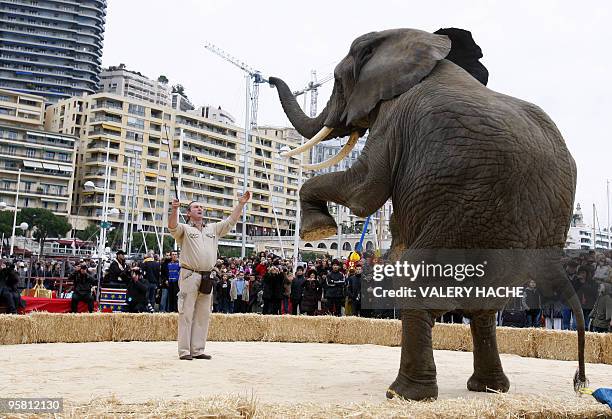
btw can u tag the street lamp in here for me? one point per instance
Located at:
(3, 206)
(298, 213)
(23, 227)
(104, 225)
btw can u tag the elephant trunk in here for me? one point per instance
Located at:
(306, 126)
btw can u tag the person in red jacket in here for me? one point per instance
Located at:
(262, 267)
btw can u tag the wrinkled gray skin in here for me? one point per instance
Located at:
(465, 167)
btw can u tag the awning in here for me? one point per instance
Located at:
(50, 166)
(209, 160)
(150, 174)
(33, 164)
(59, 201)
(111, 128)
(67, 169)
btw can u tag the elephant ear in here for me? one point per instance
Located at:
(389, 63)
(465, 53)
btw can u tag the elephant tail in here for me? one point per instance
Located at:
(580, 380)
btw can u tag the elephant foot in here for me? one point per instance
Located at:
(491, 384)
(407, 389)
(317, 226)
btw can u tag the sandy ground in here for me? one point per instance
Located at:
(273, 372)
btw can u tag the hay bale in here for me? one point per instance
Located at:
(145, 327)
(605, 342)
(15, 329)
(563, 345)
(235, 406)
(236, 327)
(452, 337)
(71, 327)
(303, 329)
(512, 340)
(360, 330)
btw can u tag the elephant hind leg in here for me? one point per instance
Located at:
(416, 379)
(488, 373)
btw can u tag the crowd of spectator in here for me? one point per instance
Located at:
(266, 283)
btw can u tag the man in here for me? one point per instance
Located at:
(354, 289)
(255, 294)
(9, 294)
(273, 290)
(198, 256)
(532, 304)
(81, 289)
(170, 273)
(152, 271)
(334, 289)
(137, 290)
(117, 275)
(297, 286)
(586, 290)
(239, 293)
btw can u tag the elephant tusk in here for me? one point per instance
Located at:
(350, 144)
(321, 135)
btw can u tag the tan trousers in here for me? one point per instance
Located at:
(194, 314)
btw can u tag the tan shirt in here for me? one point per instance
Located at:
(199, 248)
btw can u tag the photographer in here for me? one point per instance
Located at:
(9, 293)
(82, 283)
(273, 289)
(118, 273)
(137, 290)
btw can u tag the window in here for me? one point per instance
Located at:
(134, 136)
(135, 122)
(30, 152)
(50, 155)
(136, 109)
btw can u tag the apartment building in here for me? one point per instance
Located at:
(22, 109)
(181, 103)
(37, 163)
(207, 155)
(121, 81)
(51, 48)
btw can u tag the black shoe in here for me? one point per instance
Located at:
(186, 357)
(202, 356)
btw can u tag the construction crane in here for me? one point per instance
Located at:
(254, 79)
(312, 87)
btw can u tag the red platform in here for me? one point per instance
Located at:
(52, 305)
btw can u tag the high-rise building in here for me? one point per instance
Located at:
(51, 48)
(124, 82)
(207, 156)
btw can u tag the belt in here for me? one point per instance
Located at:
(204, 274)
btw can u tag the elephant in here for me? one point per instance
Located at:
(465, 167)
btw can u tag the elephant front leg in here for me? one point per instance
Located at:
(416, 379)
(488, 372)
(357, 188)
